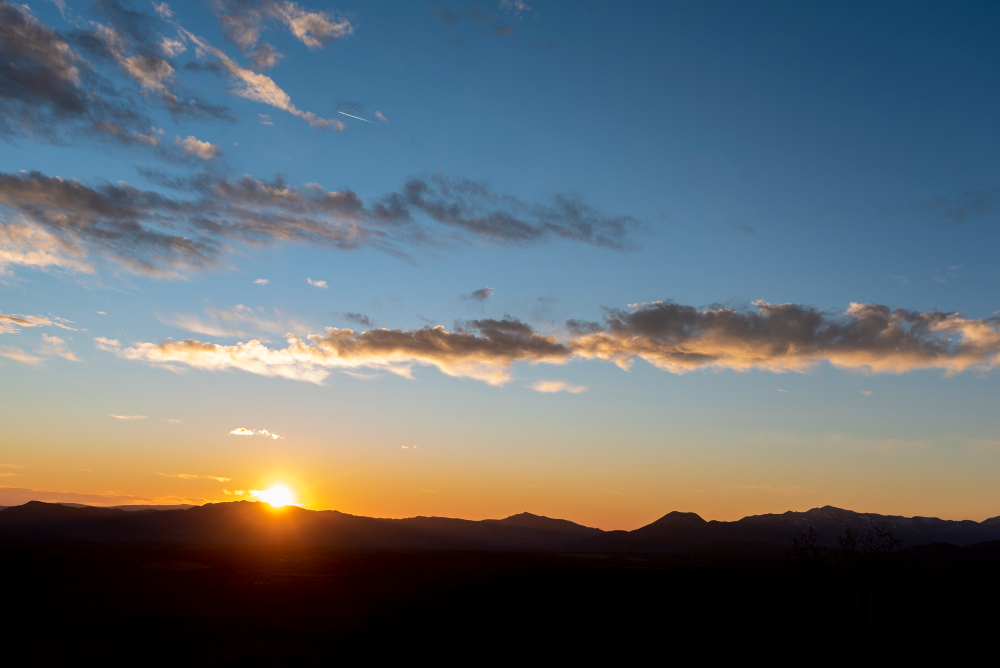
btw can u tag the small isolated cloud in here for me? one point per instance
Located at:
(128, 417)
(867, 393)
(201, 149)
(379, 115)
(504, 31)
(902, 279)
(318, 284)
(516, 7)
(163, 9)
(480, 295)
(782, 390)
(261, 281)
(172, 420)
(265, 119)
(237, 492)
(194, 476)
(240, 431)
(101, 313)
(553, 386)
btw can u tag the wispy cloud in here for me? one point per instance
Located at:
(13, 322)
(553, 386)
(193, 476)
(261, 281)
(317, 284)
(128, 417)
(235, 321)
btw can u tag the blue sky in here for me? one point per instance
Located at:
(814, 155)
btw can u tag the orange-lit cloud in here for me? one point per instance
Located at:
(194, 476)
(12, 323)
(484, 354)
(673, 337)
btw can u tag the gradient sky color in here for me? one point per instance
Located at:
(657, 236)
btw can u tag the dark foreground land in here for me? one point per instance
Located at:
(190, 605)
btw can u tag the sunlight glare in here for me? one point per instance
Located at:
(277, 496)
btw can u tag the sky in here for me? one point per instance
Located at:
(590, 261)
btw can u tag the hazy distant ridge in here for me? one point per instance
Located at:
(247, 523)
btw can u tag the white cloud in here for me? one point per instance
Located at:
(318, 284)
(314, 29)
(163, 9)
(202, 149)
(128, 417)
(240, 431)
(379, 115)
(265, 119)
(172, 47)
(552, 386)
(261, 281)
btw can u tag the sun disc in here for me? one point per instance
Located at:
(277, 496)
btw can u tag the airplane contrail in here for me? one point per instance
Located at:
(359, 118)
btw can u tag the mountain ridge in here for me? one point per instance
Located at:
(247, 522)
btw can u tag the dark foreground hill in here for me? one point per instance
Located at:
(249, 523)
(112, 604)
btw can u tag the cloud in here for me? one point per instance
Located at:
(318, 284)
(238, 492)
(18, 355)
(379, 115)
(259, 87)
(482, 349)
(779, 338)
(128, 417)
(163, 10)
(480, 295)
(153, 233)
(202, 149)
(193, 476)
(56, 347)
(12, 323)
(244, 21)
(867, 393)
(31, 246)
(790, 337)
(265, 119)
(961, 208)
(516, 7)
(261, 281)
(359, 318)
(233, 321)
(240, 431)
(552, 386)
(19, 495)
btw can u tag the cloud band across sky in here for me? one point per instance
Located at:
(779, 338)
(154, 233)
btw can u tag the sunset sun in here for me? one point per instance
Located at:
(277, 496)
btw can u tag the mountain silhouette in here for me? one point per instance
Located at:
(251, 523)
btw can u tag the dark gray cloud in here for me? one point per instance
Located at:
(49, 90)
(789, 337)
(359, 318)
(480, 295)
(152, 232)
(961, 208)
